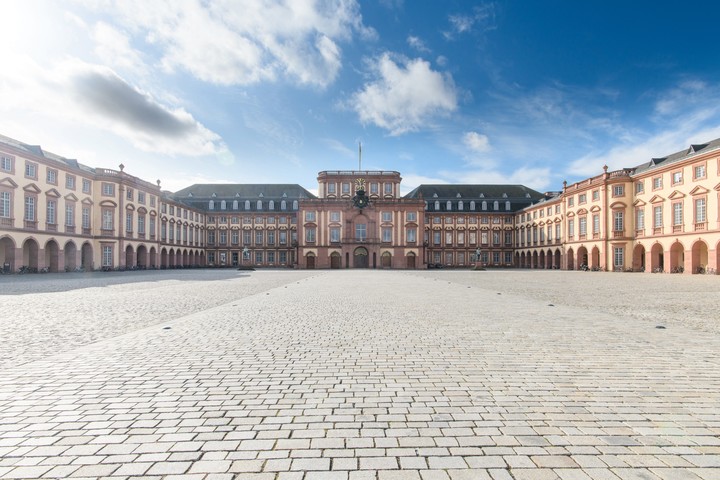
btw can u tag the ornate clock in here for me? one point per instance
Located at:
(360, 200)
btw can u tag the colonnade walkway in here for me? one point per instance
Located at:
(357, 375)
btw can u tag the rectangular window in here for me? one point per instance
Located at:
(557, 231)
(69, 215)
(141, 197)
(223, 237)
(107, 256)
(374, 188)
(5, 204)
(461, 238)
(86, 186)
(283, 258)
(345, 188)
(677, 213)
(151, 227)
(331, 188)
(283, 237)
(496, 238)
(582, 198)
(310, 235)
(258, 257)
(30, 209)
(52, 176)
(436, 238)
(108, 189)
(618, 190)
(618, 222)
(484, 237)
(412, 235)
(309, 216)
(549, 233)
(70, 181)
(246, 237)
(595, 197)
(107, 219)
(508, 257)
(448, 238)
(334, 235)
(448, 258)
(496, 257)
(386, 235)
(639, 187)
(152, 201)
(141, 224)
(334, 216)
(700, 212)
(640, 220)
(676, 177)
(388, 188)
(596, 224)
(571, 228)
(31, 170)
(270, 257)
(234, 237)
(6, 163)
(361, 231)
(259, 237)
(583, 226)
(657, 217)
(52, 212)
(618, 257)
(86, 217)
(271, 237)
(699, 172)
(473, 237)
(571, 202)
(129, 222)
(657, 183)
(387, 216)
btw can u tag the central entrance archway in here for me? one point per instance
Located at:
(335, 260)
(360, 258)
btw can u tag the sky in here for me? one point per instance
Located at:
(259, 91)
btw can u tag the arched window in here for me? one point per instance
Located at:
(223, 204)
(235, 204)
(247, 204)
(271, 205)
(460, 205)
(437, 205)
(472, 204)
(496, 205)
(507, 205)
(484, 205)
(448, 206)
(283, 205)
(259, 205)
(212, 205)
(295, 204)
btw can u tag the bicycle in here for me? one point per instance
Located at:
(678, 269)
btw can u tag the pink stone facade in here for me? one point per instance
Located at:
(660, 216)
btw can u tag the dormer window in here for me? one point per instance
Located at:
(214, 195)
(435, 195)
(504, 195)
(482, 195)
(458, 195)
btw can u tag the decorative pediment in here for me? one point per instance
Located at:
(53, 193)
(717, 187)
(108, 203)
(657, 199)
(699, 190)
(595, 209)
(615, 205)
(571, 214)
(582, 211)
(70, 197)
(87, 201)
(142, 210)
(8, 182)
(676, 194)
(32, 188)
(130, 207)
(639, 203)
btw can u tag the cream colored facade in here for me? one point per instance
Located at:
(59, 215)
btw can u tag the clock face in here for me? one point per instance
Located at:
(360, 184)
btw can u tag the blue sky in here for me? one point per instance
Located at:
(190, 91)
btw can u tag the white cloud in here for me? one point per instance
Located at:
(540, 179)
(482, 16)
(476, 142)
(243, 42)
(417, 44)
(404, 96)
(113, 47)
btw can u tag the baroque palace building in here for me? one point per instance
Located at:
(59, 215)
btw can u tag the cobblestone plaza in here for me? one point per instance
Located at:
(360, 374)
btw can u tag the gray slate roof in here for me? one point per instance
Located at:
(677, 156)
(244, 191)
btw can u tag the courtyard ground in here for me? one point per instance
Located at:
(356, 375)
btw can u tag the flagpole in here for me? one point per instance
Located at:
(360, 156)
